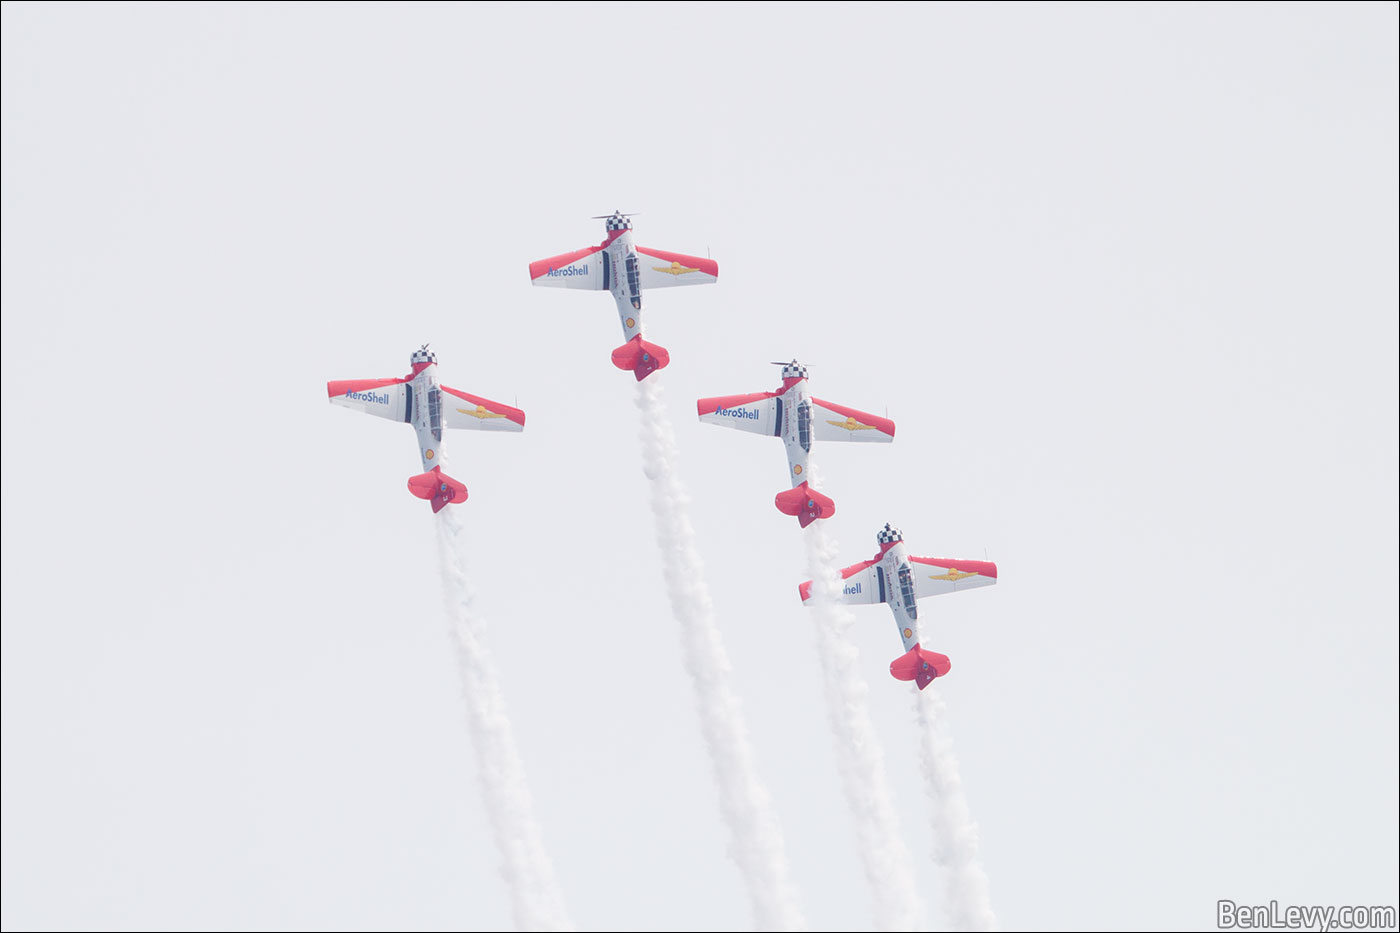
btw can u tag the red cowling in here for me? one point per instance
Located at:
(640, 356)
(806, 503)
(920, 666)
(438, 488)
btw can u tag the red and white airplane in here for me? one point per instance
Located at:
(419, 400)
(894, 577)
(798, 418)
(618, 266)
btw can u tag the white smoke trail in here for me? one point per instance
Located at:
(888, 866)
(755, 837)
(536, 900)
(955, 838)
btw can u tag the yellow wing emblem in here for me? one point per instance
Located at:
(851, 424)
(953, 574)
(480, 412)
(675, 268)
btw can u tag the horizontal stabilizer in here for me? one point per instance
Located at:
(806, 503)
(920, 666)
(438, 488)
(640, 356)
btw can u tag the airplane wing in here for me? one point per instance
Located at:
(758, 412)
(832, 422)
(661, 269)
(387, 398)
(472, 412)
(861, 584)
(585, 268)
(934, 576)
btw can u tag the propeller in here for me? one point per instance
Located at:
(780, 363)
(615, 214)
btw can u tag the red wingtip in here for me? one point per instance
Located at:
(640, 356)
(806, 503)
(920, 666)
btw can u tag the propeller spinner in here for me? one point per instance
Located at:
(616, 221)
(793, 370)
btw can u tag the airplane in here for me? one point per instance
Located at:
(894, 577)
(419, 400)
(790, 413)
(618, 266)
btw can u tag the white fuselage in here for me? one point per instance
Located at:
(796, 428)
(898, 580)
(624, 281)
(425, 413)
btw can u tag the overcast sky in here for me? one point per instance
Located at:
(1124, 277)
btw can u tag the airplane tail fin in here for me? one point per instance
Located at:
(438, 488)
(640, 356)
(806, 503)
(920, 665)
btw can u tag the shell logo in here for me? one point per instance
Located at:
(909, 633)
(797, 469)
(428, 453)
(631, 323)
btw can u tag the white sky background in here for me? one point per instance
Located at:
(1125, 278)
